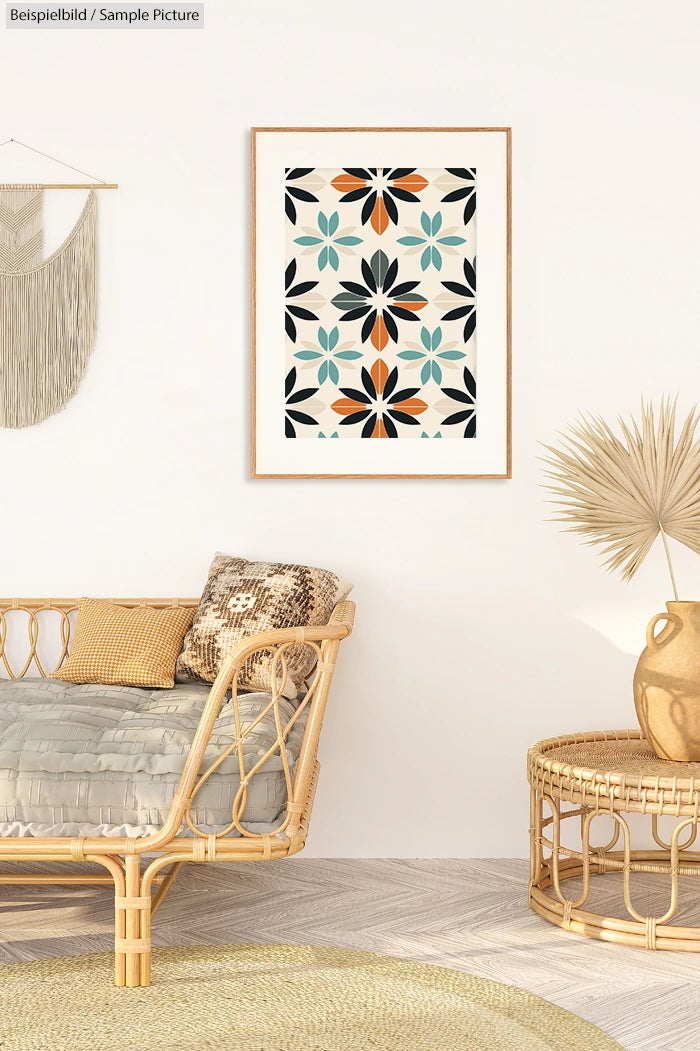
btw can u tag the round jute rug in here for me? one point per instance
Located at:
(277, 998)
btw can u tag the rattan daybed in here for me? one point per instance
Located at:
(210, 779)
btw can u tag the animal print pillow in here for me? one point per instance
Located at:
(243, 598)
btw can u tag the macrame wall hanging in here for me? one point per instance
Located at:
(48, 305)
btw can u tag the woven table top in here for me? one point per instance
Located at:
(613, 769)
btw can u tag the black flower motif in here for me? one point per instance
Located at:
(466, 399)
(399, 300)
(293, 291)
(466, 193)
(466, 299)
(291, 191)
(294, 398)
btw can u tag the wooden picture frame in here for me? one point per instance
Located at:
(382, 340)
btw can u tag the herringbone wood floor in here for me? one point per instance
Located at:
(467, 914)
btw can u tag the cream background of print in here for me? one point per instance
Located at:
(477, 620)
(328, 286)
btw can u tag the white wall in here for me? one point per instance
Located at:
(480, 627)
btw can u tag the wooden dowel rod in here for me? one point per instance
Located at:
(66, 185)
(80, 186)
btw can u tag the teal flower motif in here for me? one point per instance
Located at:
(426, 435)
(333, 435)
(428, 237)
(327, 355)
(432, 355)
(327, 240)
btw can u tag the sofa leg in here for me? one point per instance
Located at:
(145, 929)
(119, 936)
(168, 880)
(132, 941)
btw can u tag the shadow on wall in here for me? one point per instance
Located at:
(532, 672)
(443, 727)
(509, 664)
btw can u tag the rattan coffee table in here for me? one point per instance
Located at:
(610, 774)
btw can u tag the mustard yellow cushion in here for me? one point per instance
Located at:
(119, 646)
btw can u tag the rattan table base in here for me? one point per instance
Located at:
(583, 777)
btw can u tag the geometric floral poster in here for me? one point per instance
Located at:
(374, 354)
(381, 309)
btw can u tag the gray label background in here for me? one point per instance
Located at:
(91, 19)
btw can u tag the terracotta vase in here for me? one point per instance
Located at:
(667, 683)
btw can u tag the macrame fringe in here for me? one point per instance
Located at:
(48, 323)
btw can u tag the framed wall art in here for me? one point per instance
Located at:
(381, 303)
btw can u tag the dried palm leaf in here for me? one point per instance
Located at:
(622, 492)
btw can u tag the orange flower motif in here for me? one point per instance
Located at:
(379, 407)
(379, 186)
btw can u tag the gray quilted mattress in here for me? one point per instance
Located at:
(106, 760)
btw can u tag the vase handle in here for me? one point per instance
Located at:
(652, 639)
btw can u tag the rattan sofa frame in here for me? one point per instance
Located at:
(140, 889)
